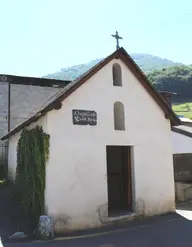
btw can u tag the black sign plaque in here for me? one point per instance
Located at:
(83, 117)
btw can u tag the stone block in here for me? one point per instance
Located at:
(183, 191)
(45, 229)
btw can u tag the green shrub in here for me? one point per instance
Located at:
(32, 155)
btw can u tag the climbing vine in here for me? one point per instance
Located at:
(32, 155)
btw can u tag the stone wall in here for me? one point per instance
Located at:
(182, 167)
(3, 125)
(3, 108)
(25, 100)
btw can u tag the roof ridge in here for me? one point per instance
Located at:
(121, 53)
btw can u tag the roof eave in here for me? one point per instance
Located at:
(121, 53)
(182, 132)
(57, 105)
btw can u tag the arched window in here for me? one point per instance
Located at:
(117, 77)
(119, 116)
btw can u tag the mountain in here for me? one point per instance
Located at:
(145, 61)
(149, 62)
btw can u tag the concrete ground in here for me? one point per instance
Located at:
(170, 230)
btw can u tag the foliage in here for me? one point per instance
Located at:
(163, 74)
(184, 109)
(148, 62)
(145, 61)
(32, 155)
(176, 79)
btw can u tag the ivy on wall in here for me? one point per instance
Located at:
(32, 155)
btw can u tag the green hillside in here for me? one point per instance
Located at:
(164, 74)
(177, 79)
(145, 61)
(184, 109)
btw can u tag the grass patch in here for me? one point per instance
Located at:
(184, 109)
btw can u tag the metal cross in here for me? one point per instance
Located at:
(117, 37)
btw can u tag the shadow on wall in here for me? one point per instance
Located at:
(3, 159)
(183, 177)
(182, 167)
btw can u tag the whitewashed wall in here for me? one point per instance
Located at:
(13, 141)
(76, 185)
(76, 175)
(181, 143)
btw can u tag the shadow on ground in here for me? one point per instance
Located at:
(184, 206)
(169, 230)
(13, 216)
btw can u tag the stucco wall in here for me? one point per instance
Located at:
(12, 155)
(13, 141)
(76, 181)
(181, 143)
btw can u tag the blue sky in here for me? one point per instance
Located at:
(42, 36)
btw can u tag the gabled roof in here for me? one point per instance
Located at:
(56, 101)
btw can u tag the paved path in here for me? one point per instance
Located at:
(165, 231)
